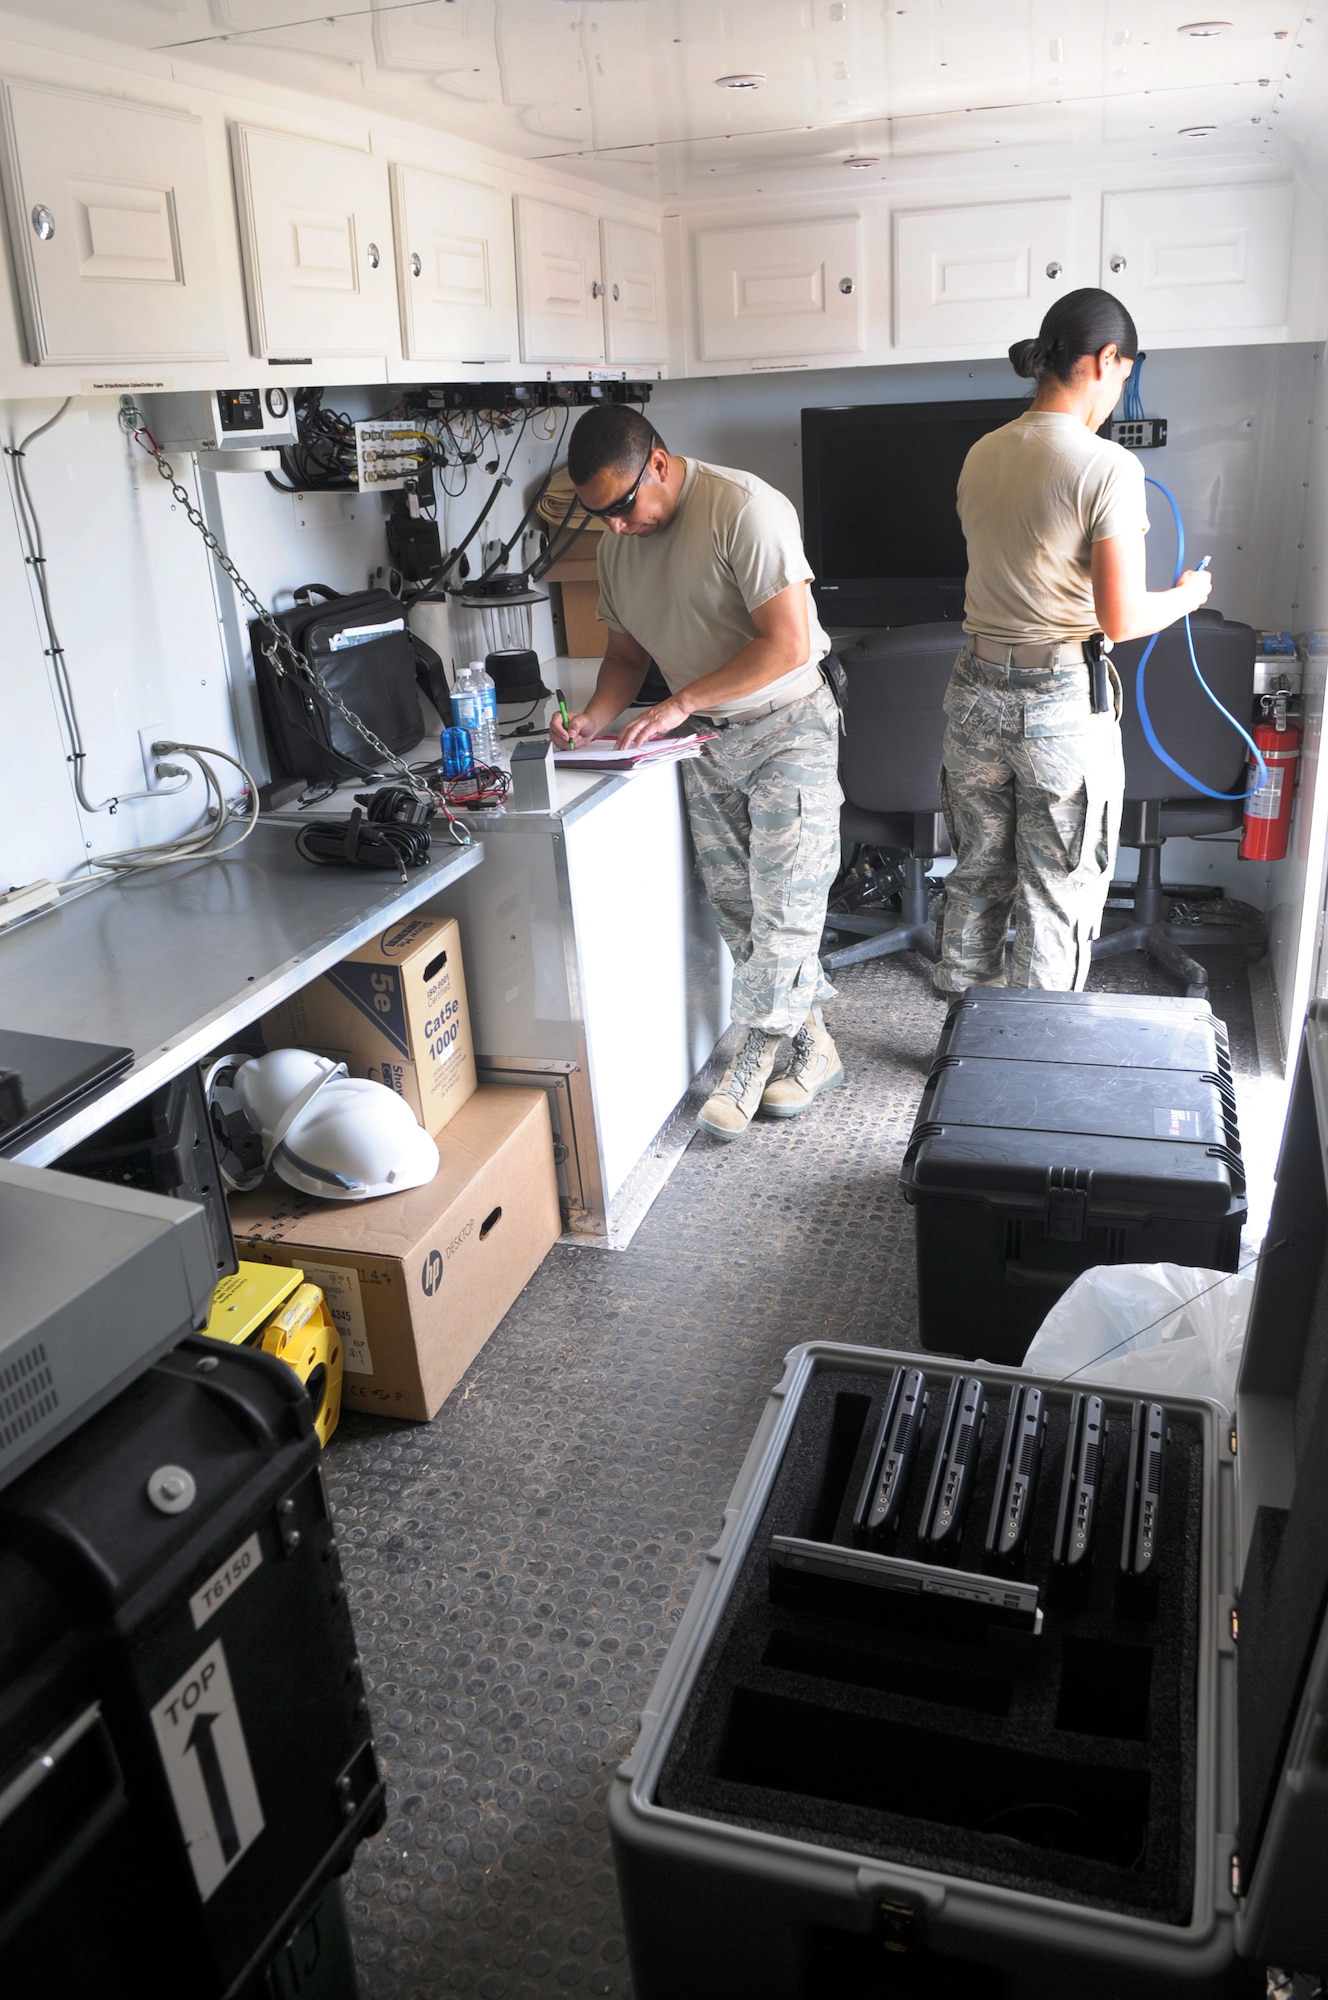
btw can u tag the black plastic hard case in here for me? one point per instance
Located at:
(835, 1802)
(1061, 1130)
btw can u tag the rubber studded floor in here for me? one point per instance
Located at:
(517, 1567)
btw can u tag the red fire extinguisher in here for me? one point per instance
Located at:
(1268, 811)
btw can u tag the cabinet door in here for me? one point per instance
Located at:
(978, 277)
(316, 228)
(559, 285)
(780, 288)
(634, 313)
(112, 228)
(1207, 260)
(456, 268)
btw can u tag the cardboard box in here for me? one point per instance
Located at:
(584, 636)
(395, 1010)
(417, 1282)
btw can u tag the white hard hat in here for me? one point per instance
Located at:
(268, 1086)
(355, 1139)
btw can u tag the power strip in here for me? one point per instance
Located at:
(1139, 433)
(16, 903)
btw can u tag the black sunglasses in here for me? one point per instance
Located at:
(621, 508)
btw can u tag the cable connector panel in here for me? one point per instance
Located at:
(1139, 433)
(389, 454)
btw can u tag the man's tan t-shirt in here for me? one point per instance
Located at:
(1033, 498)
(686, 593)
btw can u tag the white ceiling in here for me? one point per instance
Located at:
(625, 90)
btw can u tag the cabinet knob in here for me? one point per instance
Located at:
(43, 222)
(596, 289)
(415, 265)
(1053, 269)
(372, 253)
(1118, 262)
(615, 295)
(846, 286)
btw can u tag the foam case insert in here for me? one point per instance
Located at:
(1061, 1764)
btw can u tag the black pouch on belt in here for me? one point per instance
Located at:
(1099, 693)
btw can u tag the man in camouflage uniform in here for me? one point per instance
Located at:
(1031, 785)
(703, 570)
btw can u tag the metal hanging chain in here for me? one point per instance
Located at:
(295, 664)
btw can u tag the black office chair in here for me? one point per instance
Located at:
(890, 769)
(1158, 804)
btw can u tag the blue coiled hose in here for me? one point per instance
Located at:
(1150, 733)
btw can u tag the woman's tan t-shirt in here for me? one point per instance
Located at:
(1033, 498)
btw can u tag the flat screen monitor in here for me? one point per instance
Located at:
(881, 530)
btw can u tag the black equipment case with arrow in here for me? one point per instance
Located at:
(867, 1770)
(185, 1756)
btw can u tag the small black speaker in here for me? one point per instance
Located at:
(515, 673)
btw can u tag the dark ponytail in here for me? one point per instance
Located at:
(1083, 322)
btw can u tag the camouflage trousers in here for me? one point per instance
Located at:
(1031, 786)
(763, 800)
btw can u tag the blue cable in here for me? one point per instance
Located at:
(1188, 777)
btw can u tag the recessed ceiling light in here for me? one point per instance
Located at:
(1195, 131)
(1203, 31)
(861, 161)
(750, 79)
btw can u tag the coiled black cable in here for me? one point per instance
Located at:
(393, 832)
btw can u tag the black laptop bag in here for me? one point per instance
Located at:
(364, 651)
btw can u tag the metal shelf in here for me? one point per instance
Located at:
(173, 962)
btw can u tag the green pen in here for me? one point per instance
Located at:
(562, 711)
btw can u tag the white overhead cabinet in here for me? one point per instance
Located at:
(1200, 261)
(456, 268)
(111, 224)
(316, 232)
(559, 283)
(780, 289)
(635, 324)
(969, 278)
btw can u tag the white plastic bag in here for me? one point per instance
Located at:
(1160, 1329)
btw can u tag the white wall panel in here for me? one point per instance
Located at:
(136, 615)
(138, 609)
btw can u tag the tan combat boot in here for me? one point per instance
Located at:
(730, 1107)
(813, 1066)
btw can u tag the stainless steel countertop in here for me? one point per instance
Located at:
(172, 962)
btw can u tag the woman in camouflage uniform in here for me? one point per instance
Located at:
(1032, 776)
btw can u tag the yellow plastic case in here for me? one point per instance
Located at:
(302, 1335)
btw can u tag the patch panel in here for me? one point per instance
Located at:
(388, 455)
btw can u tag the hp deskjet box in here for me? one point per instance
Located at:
(1003, 1685)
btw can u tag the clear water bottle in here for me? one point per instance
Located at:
(479, 678)
(468, 712)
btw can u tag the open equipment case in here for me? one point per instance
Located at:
(909, 1767)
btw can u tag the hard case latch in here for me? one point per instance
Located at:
(1067, 1206)
(895, 1924)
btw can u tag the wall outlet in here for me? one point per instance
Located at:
(159, 774)
(1139, 433)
